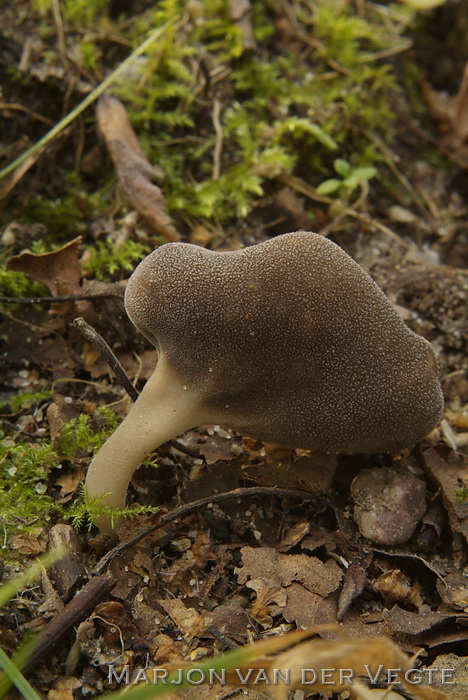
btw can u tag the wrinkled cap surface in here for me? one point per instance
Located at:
(289, 341)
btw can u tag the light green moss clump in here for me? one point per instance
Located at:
(28, 471)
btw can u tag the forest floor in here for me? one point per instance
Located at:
(372, 153)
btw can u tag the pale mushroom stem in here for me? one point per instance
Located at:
(165, 408)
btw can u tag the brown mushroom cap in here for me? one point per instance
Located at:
(289, 341)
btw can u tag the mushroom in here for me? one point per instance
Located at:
(288, 341)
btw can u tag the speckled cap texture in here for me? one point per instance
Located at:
(289, 341)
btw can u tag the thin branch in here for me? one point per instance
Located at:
(69, 618)
(53, 300)
(189, 508)
(93, 337)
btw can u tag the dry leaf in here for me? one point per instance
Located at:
(133, 169)
(186, 619)
(232, 621)
(283, 569)
(320, 665)
(451, 480)
(307, 609)
(63, 688)
(405, 622)
(60, 270)
(30, 543)
(395, 588)
(267, 592)
(354, 582)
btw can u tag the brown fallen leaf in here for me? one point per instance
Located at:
(452, 113)
(60, 270)
(313, 472)
(232, 621)
(30, 543)
(453, 590)
(394, 587)
(283, 569)
(451, 110)
(134, 171)
(307, 609)
(64, 688)
(451, 480)
(459, 677)
(116, 626)
(268, 592)
(320, 665)
(188, 620)
(293, 536)
(354, 582)
(430, 628)
(211, 692)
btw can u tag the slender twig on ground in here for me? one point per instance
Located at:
(70, 617)
(93, 337)
(189, 508)
(100, 344)
(53, 300)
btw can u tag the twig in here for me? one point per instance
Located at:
(7, 106)
(98, 341)
(52, 300)
(189, 508)
(8, 424)
(93, 337)
(390, 159)
(67, 619)
(59, 25)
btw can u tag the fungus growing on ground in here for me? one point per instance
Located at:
(288, 341)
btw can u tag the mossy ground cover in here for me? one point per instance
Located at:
(304, 113)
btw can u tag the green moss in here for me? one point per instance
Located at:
(27, 473)
(263, 132)
(28, 399)
(78, 12)
(291, 106)
(107, 258)
(17, 284)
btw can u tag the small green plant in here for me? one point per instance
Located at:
(87, 510)
(350, 178)
(107, 258)
(27, 474)
(28, 399)
(19, 285)
(278, 116)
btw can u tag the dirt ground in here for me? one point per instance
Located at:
(190, 582)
